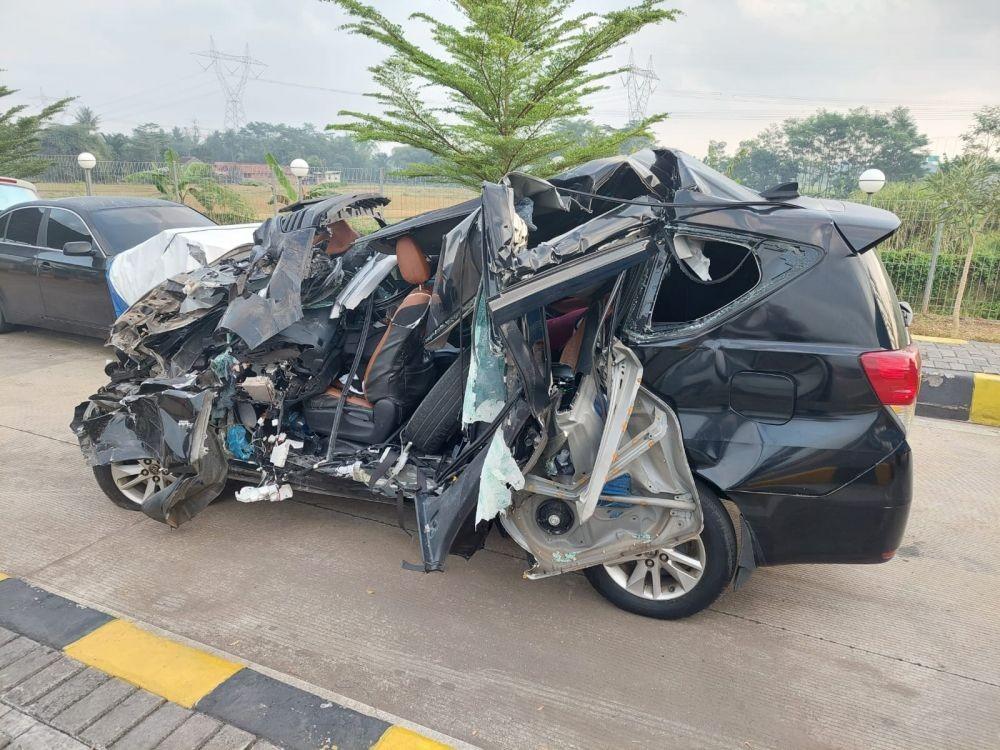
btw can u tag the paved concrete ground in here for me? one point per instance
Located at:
(970, 356)
(902, 655)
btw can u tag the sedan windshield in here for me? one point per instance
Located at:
(122, 228)
(11, 194)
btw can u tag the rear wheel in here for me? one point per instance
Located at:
(674, 582)
(128, 483)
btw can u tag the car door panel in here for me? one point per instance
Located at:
(19, 293)
(74, 289)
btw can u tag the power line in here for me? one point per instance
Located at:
(311, 87)
(233, 72)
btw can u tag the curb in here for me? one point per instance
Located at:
(962, 396)
(224, 689)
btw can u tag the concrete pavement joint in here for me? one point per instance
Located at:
(859, 649)
(38, 434)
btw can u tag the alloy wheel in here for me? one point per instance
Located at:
(138, 480)
(662, 574)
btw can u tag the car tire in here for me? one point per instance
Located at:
(438, 417)
(4, 325)
(717, 549)
(107, 484)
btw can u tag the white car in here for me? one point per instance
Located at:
(13, 190)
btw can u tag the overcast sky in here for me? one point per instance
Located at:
(727, 68)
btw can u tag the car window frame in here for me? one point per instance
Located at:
(4, 218)
(94, 242)
(644, 283)
(41, 224)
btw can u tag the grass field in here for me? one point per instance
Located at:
(407, 200)
(973, 329)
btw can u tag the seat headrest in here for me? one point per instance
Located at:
(342, 236)
(413, 264)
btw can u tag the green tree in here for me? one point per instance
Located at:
(196, 181)
(403, 157)
(81, 135)
(20, 137)
(827, 151)
(716, 157)
(147, 142)
(286, 142)
(843, 145)
(983, 138)
(968, 192)
(509, 75)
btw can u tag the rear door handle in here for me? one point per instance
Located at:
(45, 265)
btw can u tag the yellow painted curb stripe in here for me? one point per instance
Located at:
(939, 340)
(4, 576)
(401, 738)
(985, 407)
(174, 671)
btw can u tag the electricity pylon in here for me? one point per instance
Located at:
(639, 85)
(233, 72)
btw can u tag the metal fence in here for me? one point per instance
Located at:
(924, 258)
(255, 195)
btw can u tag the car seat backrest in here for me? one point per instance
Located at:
(413, 264)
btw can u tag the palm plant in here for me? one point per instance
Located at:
(285, 192)
(196, 181)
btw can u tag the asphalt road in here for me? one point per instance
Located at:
(901, 655)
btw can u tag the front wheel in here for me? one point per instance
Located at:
(674, 582)
(128, 483)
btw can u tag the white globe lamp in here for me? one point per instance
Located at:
(87, 162)
(871, 181)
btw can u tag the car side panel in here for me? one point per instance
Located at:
(862, 522)
(75, 293)
(782, 471)
(74, 289)
(19, 296)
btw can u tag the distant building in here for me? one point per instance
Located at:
(241, 171)
(932, 163)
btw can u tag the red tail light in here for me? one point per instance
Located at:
(894, 375)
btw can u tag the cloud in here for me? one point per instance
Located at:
(727, 67)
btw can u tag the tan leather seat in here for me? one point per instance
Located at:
(395, 369)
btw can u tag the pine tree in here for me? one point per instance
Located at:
(20, 134)
(510, 75)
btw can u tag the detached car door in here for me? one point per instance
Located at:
(74, 288)
(19, 297)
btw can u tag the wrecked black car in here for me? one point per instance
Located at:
(638, 369)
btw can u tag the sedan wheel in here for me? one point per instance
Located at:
(138, 480)
(663, 574)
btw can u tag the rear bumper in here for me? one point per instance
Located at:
(862, 522)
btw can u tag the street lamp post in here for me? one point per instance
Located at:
(87, 162)
(300, 168)
(871, 181)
